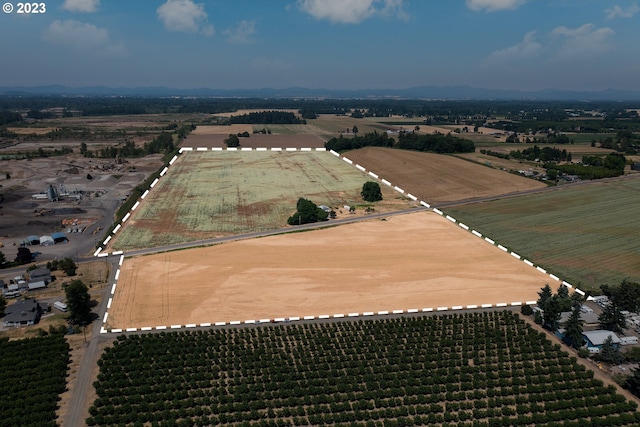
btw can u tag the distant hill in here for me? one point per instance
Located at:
(417, 92)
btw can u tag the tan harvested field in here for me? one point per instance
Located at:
(437, 178)
(255, 141)
(404, 262)
(31, 130)
(222, 130)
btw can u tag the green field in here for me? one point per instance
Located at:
(587, 235)
(475, 369)
(210, 194)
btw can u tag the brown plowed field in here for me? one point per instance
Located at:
(210, 140)
(437, 178)
(418, 260)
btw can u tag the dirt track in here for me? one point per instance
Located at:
(413, 261)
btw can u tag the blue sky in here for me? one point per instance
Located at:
(334, 44)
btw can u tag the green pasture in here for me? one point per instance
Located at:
(586, 235)
(208, 194)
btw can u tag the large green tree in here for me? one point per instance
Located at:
(544, 294)
(371, 191)
(78, 302)
(552, 311)
(573, 329)
(307, 212)
(232, 141)
(612, 318)
(23, 256)
(627, 295)
(609, 353)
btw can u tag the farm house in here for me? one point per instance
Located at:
(41, 274)
(24, 313)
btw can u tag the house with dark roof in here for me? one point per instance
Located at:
(24, 313)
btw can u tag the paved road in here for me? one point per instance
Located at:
(79, 402)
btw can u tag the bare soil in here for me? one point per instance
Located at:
(283, 141)
(22, 215)
(437, 178)
(418, 260)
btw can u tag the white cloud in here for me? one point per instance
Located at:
(582, 42)
(185, 16)
(618, 12)
(351, 11)
(86, 6)
(493, 5)
(83, 37)
(527, 48)
(243, 33)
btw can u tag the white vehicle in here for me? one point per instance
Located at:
(60, 305)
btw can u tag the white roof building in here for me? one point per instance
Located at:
(597, 338)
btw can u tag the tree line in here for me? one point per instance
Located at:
(593, 167)
(436, 143)
(267, 118)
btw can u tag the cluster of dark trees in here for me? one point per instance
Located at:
(232, 141)
(437, 143)
(372, 139)
(23, 256)
(34, 373)
(163, 143)
(495, 154)
(626, 142)
(544, 154)
(593, 167)
(307, 212)
(7, 117)
(553, 305)
(266, 118)
(65, 264)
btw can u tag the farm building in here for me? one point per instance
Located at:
(37, 285)
(59, 237)
(596, 338)
(46, 241)
(588, 319)
(41, 274)
(24, 313)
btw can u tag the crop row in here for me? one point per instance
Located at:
(32, 376)
(482, 368)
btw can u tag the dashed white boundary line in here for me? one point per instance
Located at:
(98, 253)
